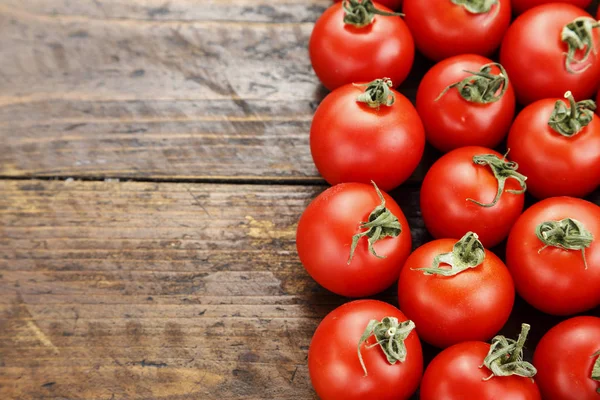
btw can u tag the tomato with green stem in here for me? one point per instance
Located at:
(353, 239)
(365, 349)
(364, 133)
(550, 50)
(477, 370)
(446, 28)
(556, 143)
(455, 291)
(391, 4)
(472, 189)
(466, 100)
(360, 41)
(553, 255)
(568, 360)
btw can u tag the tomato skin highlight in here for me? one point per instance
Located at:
(455, 373)
(451, 121)
(352, 142)
(554, 280)
(442, 29)
(342, 54)
(333, 363)
(451, 181)
(534, 55)
(555, 165)
(564, 360)
(472, 305)
(520, 6)
(324, 237)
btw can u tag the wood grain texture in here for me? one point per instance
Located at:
(157, 291)
(221, 89)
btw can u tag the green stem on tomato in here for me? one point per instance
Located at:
(569, 121)
(390, 335)
(381, 223)
(467, 253)
(502, 170)
(567, 234)
(478, 6)
(377, 93)
(579, 35)
(482, 86)
(596, 369)
(505, 357)
(361, 13)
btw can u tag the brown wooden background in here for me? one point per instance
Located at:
(154, 162)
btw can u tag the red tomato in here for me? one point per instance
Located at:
(455, 374)
(444, 28)
(536, 58)
(454, 120)
(565, 357)
(473, 304)
(553, 279)
(351, 141)
(341, 53)
(520, 6)
(325, 236)
(455, 183)
(555, 163)
(391, 4)
(334, 365)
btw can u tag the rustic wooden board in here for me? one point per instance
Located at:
(162, 291)
(221, 89)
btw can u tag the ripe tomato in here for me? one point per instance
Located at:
(391, 4)
(333, 250)
(476, 112)
(461, 179)
(565, 358)
(547, 255)
(557, 146)
(446, 28)
(355, 141)
(343, 53)
(541, 64)
(333, 357)
(455, 291)
(520, 6)
(459, 373)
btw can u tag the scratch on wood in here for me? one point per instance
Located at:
(41, 336)
(293, 375)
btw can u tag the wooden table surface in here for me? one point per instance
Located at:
(154, 163)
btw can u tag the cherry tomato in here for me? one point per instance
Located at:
(446, 28)
(520, 6)
(557, 146)
(553, 254)
(335, 219)
(457, 374)
(455, 291)
(333, 360)
(343, 53)
(391, 4)
(461, 193)
(565, 358)
(540, 64)
(367, 140)
(473, 116)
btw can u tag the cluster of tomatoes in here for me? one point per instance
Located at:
(366, 138)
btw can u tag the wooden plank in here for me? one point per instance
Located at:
(147, 89)
(163, 291)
